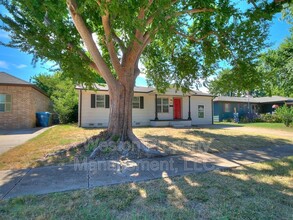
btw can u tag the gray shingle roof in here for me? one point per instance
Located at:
(253, 100)
(9, 80)
(140, 89)
(6, 78)
(105, 87)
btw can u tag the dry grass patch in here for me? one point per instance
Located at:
(178, 141)
(54, 139)
(170, 140)
(258, 191)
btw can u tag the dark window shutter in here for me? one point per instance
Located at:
(93, 100)
(141, 102)
(107, 101)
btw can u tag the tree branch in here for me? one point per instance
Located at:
(109, 42)
(194, 11)
(83, 55)
(191, 38)
(90, 43)
(119, 42)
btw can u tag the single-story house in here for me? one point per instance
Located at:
(19, 102)
(225, 106)
(149, 107)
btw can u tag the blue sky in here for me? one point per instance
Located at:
(19, 64)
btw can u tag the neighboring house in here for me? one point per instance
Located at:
(19, 102)
(149, 108)
(225, 106)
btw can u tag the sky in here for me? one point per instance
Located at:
(19, 64)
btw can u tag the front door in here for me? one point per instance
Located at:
(177, 108)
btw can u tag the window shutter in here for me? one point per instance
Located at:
(107, 101)
(93, 100)
(141, 102)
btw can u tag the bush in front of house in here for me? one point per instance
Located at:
(228, 120)
(269, 118)
(285, 113)
(249, 117)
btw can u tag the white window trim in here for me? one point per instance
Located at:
(204, 110)
(229, 104)
(6, 103)
(104, 101)
(161, 105)
(136, 102)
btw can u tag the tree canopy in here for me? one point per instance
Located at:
(61, 91)
(270, 74)
(178, 41)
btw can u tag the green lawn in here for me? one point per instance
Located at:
(275, 126)
(258, 191)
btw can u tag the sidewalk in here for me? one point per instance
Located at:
(84, 175)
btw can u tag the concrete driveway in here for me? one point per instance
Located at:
(13, 138)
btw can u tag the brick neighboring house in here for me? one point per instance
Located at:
(19, 102)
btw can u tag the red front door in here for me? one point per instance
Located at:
(177, 108)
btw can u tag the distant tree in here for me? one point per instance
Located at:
(177, 41)
(233, 83)
(270, 74)
(62, 92)
(276, 67)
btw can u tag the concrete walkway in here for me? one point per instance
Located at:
(13, 138)
(85, 175)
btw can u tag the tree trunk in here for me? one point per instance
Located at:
(120, 118)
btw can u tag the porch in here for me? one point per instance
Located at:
(176, 123)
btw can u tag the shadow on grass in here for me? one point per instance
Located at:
(210, 142)
(260, 191)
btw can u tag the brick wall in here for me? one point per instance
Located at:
(26, 101)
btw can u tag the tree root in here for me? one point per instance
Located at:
(124, 147)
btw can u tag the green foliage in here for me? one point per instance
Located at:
(285, 113)
(276, 67)
(271, 74)
(62, 92)
(182, 47)
(269, 118)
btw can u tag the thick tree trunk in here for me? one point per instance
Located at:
(120, 118)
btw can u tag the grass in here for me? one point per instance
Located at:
(274, 126)
(54, 139)
(170, 140)
(258, 191)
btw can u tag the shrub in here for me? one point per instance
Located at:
(270, 118)
(285, 113)
(228, 120)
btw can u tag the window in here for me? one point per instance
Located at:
(100, 101)
(162, 105)
(5, 103)
(200, 109)
(136, 102)
(227, 107)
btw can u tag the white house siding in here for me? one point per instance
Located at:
(93, 117)
(99, 117)
(201, 100)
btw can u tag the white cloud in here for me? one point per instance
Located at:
(21, 66)
(4, 64)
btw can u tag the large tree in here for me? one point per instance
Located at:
(178, 41)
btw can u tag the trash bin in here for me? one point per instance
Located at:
(43, 119)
